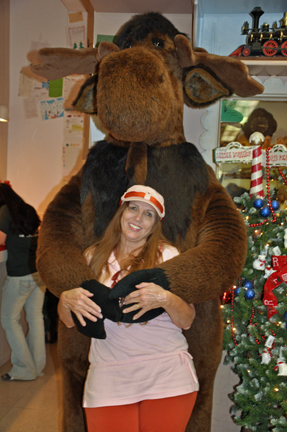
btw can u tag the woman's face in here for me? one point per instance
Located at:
(137, 222)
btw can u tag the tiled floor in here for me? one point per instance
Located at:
(32, 406)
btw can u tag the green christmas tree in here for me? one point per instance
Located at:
(255, 318)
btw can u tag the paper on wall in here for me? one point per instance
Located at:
(40, 90)
(30, 108)
(72, 158)
(29, 87)
(77, 30)
(75, 17)
(52, 109)
(71, 88)
(56, 88)
(25, 85)
(77, 37)
(73, 142)
(73, 126)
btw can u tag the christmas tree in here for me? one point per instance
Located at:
(255, 317)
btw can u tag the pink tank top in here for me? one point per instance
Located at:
(137, 362)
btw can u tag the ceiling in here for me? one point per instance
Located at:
(177, 6)
(131, 6)
(140, 6)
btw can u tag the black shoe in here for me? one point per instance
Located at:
(7, 377)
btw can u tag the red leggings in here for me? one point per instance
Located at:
(168, 415)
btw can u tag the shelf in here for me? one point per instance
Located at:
(263, 66)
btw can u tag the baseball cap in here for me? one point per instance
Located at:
(145, 194)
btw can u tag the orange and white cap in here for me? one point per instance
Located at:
(146, 194)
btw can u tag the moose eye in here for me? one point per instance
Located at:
(158, 43)
(128, 45)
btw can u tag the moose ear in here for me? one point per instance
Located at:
(86, 101)
(231, 74)
(201, 88)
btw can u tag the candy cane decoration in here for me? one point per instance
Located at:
(256, 185)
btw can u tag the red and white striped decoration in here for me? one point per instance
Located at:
(256, 185)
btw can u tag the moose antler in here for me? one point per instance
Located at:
(54, 63)
(232, 73)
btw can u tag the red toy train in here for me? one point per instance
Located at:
(264, 40)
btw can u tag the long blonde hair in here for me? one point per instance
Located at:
(98, 254)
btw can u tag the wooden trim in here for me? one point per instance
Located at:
(90, 24)
(90, 43)
(88, 6)
(73, 5)
(84, 6)
(4, 81)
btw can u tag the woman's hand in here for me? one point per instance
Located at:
(151, 296)
(147, 296)
(77, 300)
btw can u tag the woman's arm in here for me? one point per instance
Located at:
(77, 300)
(181, 313)
(150, 296)
(2, 238)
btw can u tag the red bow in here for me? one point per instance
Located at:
(274, 280)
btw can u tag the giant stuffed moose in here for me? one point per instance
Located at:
(137, 88)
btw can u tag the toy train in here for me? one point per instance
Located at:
(264, 40)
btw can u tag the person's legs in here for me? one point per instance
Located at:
(168, 414)
(13, 300)
(122, 418)
(34, 316)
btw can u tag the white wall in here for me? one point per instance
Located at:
(34, 145)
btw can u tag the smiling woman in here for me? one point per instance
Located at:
(133, 241)
(145, 208)
(137, 222)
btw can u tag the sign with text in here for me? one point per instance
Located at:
(235, 152)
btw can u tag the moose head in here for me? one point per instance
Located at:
(139, 84)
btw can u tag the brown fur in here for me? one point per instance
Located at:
(136, 164)
(138, 93)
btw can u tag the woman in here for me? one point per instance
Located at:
(23, 287)
(141, 377)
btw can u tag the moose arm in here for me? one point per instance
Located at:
(214, 263)
(60, 260)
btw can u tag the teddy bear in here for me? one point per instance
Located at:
(138, 87)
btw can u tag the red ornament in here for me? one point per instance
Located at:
(226, 297)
